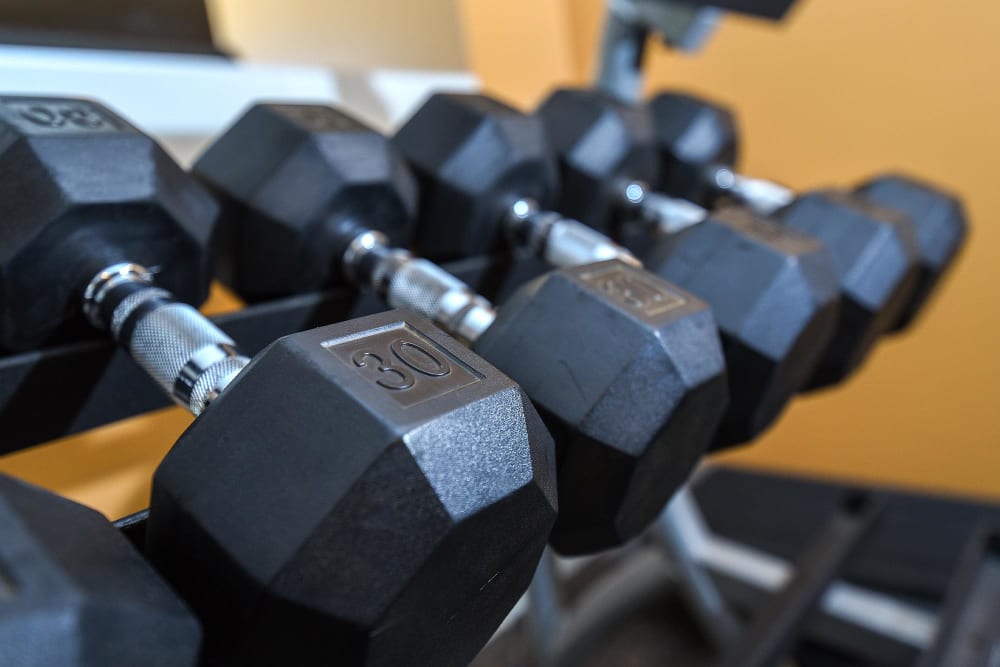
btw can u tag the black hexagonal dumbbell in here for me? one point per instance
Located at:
(745, 269)
(75, 593)
(942, 227)
(368, 492)
(871, 293)
(625, 369)
(699, 143)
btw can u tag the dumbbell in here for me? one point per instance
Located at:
(626, 371)
(368, 492)
(699, 144)
(871, 294)
(745, 269)
(941, 227)
(75, 593)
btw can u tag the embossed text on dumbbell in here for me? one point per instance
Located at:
(403, 361)
(632, 290)
(42, 115)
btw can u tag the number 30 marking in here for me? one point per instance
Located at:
(53, 117)
(412, 355)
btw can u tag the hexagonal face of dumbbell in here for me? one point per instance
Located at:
(941, 228)
(775, 296)
(601, 144)
(875, 254)
(369, 492)
(693, 134)
(296, 180)
(628, 373)
(473, 156)
(81, 189)
(75, 593)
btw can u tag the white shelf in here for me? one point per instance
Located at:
(166, 94)
(184, 100)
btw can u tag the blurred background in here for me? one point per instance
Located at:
(838, 91)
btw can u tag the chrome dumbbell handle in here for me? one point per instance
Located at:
(560, 241)
(189, 357)
(409, 282)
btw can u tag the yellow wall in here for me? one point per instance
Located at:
(843, 89)
(345, 34)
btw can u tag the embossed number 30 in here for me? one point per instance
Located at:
(52, 117)
(413, 356)
(631, 294)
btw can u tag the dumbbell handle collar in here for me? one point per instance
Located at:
(653, 210)
(763, 196)
(189, 357)
(560, 241)
(405, 281)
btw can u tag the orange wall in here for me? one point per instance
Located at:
(841, 90)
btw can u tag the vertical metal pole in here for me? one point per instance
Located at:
(620, 64)
(627, 27)
(674, 533)
(544, 614)
(969, 631)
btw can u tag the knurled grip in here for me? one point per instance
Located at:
(656, 212)
(560, 241)
(189, 357)
(428, 289)
(408, 282)
(571, 243)
(763, 196)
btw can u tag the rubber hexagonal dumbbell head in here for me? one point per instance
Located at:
(368, 492)
(941, 227)
(601, 144)
(628, 373)
(473, 156)
(75, 593)
(692, 134)
(58, 159)
(293, 178)
(874, 252)
(776, 298)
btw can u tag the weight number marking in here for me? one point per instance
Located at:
(413, 356)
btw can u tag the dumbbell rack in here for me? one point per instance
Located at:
(937, 555)
(797, 619)
(911, 554)
(71, 388)
(683, 25)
